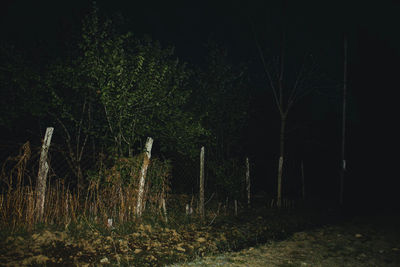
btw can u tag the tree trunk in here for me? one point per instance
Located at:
(143, 172)
(42, 174)
(342, 173)
(281, 161)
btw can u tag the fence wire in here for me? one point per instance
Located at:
(184, 178)
(184, 174)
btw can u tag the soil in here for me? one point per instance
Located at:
(359, 242)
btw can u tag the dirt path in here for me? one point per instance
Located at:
(355, 243)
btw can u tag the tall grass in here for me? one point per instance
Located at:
(111, 193)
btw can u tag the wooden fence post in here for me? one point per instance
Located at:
(303, 184)
(236, 207)
(248, 181)
(164, 210)
(143, 172)
(279, 193)
(42, 174)
(201, 193)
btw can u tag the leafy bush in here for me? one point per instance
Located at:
(112, 192)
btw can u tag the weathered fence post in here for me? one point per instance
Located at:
(303, 185)
(201, 193)
(42, 174)
(143, 172)
(236, 207)
(164, 210)
(248, 181)
(279, 193)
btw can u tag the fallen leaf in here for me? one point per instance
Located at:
(104, 260)
(180, 249)
(201, 239)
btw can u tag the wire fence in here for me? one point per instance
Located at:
(183, 177)
(108, 197)
(113, 195)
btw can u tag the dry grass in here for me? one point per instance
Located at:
(110, 194)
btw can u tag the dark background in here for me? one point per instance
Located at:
(315, 27)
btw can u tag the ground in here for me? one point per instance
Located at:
(355, 243)
(266, 238)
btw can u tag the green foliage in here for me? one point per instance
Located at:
(112, 90)
(141, 88)
(115, 90)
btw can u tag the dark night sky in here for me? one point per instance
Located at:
(313, 27)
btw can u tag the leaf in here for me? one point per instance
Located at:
(201, 239)
(180, 249)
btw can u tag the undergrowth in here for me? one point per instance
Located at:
(99, 224)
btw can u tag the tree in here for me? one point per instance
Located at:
(286, 93)
(73, 110)
(222, 101)
(343, 170)
(141, 87)
(117, 90)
